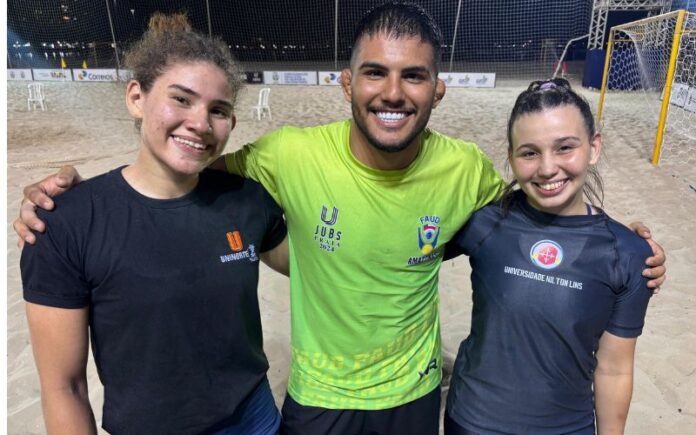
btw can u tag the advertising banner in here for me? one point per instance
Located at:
(468, 80)
(19, 74)
(95, 75)
(329, 78)
(290, 77)
(52, 75)
(690, 102)
(253, 77)
(125, 74)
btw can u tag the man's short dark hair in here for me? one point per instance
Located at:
(397, 19)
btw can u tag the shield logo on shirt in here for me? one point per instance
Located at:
(427, 238)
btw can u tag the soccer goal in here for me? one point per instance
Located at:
(649, 86)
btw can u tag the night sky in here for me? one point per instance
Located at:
(302, 28)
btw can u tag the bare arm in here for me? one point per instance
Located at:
(656, 264)
(60, 344)
(278, 258)
(613, 383)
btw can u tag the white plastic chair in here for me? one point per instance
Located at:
(36, 96)
(262, 108)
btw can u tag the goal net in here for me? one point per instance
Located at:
(649, 88)
(517, 40)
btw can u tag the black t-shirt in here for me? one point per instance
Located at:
(171, 287)
(545, 288)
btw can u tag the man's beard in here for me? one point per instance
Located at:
(401, 146)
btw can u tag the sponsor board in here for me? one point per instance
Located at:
(468, 80)
(19, 74)
(679, 94)
(125, 74)
(690, 103)
(253, 77)
(329, 78)
(52, 75)
(682, 96)
(290, 77)
(95, 75)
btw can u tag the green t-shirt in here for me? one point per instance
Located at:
(365, 250)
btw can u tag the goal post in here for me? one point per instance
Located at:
(650, 78)
(668, 87)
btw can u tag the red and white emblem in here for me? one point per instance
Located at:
(546, 254)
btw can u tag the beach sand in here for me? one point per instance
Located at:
(86, 124)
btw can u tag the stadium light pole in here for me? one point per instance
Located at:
(336, 35)
(113, 37)
(207, 9)
(454, 38)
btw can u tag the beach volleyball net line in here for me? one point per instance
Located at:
(650, 81)
(512, 39)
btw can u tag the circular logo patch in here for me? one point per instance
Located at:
(546, 254)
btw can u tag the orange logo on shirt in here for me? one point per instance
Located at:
(235, 241)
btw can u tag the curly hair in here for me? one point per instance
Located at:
(170, 40)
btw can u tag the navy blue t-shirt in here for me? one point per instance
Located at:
(545, 288)
(171, 286)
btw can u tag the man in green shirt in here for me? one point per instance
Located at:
(370, 203)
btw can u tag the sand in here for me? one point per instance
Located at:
(86, 124)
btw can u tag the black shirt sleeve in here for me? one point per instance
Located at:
(275, 229)
(628, 316)
(52, 268)
(467, 240)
